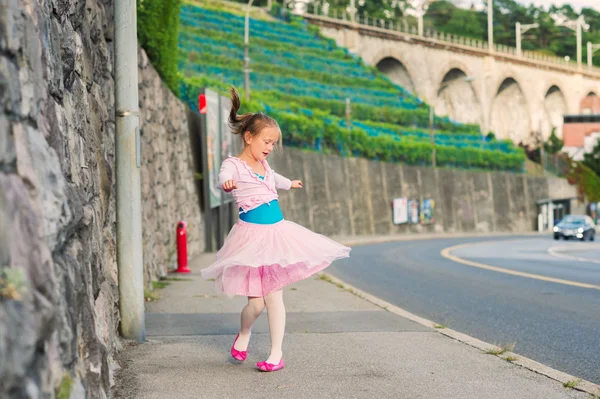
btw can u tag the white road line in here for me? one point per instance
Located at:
(555, 251)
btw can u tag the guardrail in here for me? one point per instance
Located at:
(435, 37)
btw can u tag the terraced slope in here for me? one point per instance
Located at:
(303, 80)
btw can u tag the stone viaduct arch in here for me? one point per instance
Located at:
(393, 64)
(397, 73)
(555, 106)
(509, 116)
(516, 98)
(457, 98)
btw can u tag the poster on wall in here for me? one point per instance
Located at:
(413, 211)
(427, 211)
(213, 146)
(227, 139)
(400, 210)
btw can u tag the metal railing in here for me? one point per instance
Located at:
(364, 21)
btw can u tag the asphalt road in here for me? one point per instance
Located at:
(553, 323)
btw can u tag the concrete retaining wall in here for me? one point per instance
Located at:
(350, 196)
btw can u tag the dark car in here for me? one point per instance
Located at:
(575, 226)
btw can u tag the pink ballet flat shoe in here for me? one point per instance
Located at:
(236, 354)
(264, 366)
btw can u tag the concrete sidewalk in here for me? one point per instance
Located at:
(337, 345)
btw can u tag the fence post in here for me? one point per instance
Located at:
(348, 114)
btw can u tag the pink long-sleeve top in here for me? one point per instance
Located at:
(252, 191)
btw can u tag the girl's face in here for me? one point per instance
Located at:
(261, 145)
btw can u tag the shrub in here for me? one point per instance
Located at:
(158, 28)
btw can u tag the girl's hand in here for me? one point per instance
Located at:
(229, 186)
(296, 184)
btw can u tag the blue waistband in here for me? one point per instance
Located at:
(269, 213)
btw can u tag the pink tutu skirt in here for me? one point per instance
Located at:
(257, 259)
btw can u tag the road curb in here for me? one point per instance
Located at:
(556, 252)
(529, 364)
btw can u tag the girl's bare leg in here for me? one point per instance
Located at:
(250, 313)
(276, 313)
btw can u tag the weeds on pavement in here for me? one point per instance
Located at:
(572, 383)
(501, 350)
(157, 285)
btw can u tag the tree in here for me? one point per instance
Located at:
(444, 16)
(592, 159)
(450, 19)
(158, 30)
(587, 182)
(554, 144)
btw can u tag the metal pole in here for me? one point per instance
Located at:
(592, 48)
(420, 24)
(579, 27)
(542, 152)
(491, 25)
(518, 38)
(431, 134)
(348, 112)
(352, 11)
(127, 142)
(246, 52)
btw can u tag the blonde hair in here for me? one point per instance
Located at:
(250, 122)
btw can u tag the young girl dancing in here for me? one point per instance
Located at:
(263, 252)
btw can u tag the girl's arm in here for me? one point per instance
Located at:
(227, 173)
(282, 183)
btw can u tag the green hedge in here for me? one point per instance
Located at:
(226, 62)
(237, 40)
(314, 133)
(304, 132)
(158, 28)
(395, 116)
(399, 130)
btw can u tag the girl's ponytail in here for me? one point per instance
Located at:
(247, 123)
(238, 123)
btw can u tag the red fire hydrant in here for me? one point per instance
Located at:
(182, 258)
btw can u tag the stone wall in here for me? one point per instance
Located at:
(168, 181)
(57, 195)
(353, 197)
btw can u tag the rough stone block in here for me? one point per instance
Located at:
(10, 88)
(7, 145)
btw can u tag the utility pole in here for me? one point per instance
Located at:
(353, 11)
(246, 51)
(490, 18)
(591, 49)
(432, 135)
(520, 29)
(579, 49)
(576, 25)
(418, 8)
(128, 157)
